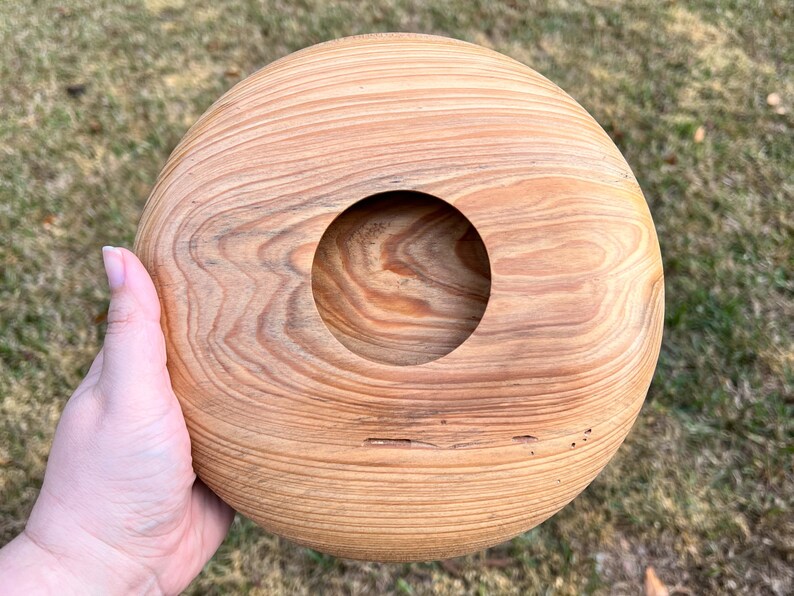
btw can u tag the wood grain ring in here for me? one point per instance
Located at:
(374, 460)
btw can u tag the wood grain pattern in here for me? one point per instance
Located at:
(388, 460)
(401, 278)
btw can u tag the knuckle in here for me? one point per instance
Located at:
(121, 319)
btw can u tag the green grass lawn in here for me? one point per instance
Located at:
(698, 95)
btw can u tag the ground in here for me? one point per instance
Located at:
(698, 95)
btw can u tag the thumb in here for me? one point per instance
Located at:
(134, 350)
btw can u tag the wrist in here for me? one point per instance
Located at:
(87, 563)
(29, 567)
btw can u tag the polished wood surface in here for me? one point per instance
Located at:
(401, 278)
(415, 382)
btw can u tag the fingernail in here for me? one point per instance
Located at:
(114, 266)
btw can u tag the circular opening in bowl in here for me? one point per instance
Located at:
(401, 278)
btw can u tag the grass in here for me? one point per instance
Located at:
(94, 95)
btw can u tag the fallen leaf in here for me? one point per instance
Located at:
(232, 72)
(653, 585)
(700, 134)
(672, 159)
(773, 99)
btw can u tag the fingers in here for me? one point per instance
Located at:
(134, 351)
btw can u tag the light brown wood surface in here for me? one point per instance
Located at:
(401, 278)
(407, 378)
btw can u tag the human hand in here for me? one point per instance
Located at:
(120, 509)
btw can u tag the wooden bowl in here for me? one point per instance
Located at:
(412, 296)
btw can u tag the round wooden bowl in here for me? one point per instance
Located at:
(412, 296)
